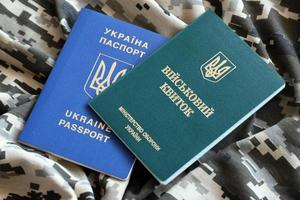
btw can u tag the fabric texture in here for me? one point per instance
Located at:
(259, 160)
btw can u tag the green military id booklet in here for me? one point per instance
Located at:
(187, 96)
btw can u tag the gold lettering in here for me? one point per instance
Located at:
(166, 70)
(187, 91)
(189, 112)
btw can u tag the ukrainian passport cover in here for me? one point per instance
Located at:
(187, 96)
(98, 51)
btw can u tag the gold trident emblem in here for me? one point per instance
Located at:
(216, 69)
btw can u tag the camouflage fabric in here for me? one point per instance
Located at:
(259, 160)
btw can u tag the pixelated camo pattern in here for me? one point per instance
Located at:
(258, 161)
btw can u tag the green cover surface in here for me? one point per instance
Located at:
(187, 96)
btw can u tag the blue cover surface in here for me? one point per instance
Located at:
(98, 52)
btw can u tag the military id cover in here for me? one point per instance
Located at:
(187, 96)
(98, 52)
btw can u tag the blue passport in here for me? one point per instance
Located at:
(98, 51)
